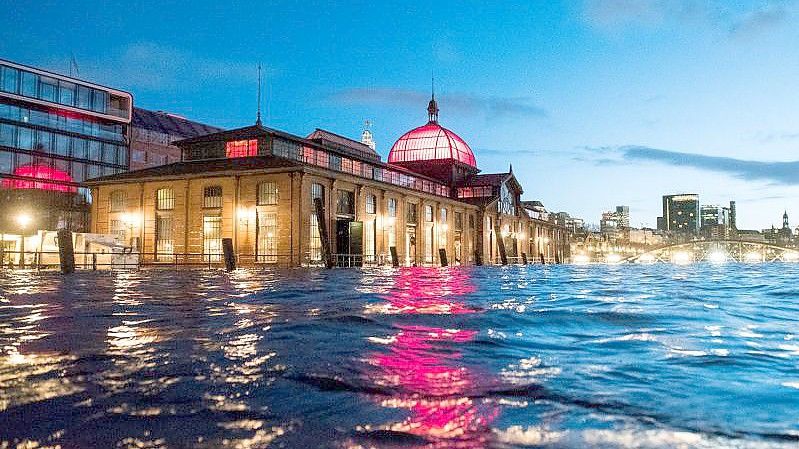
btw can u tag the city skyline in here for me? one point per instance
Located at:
(687, 97)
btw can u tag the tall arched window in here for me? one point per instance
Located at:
(212, 197)
(117, 200)
(267, 194)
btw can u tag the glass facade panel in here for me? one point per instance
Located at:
(10, 79)
(48, 87)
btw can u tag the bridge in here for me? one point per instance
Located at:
(716, 251)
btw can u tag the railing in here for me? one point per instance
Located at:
(49, 260)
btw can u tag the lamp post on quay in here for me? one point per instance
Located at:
(23, 220)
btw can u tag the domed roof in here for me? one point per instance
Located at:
(431, 142)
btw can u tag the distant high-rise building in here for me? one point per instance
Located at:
(715, 221)
(681, 213)
(623, 216)
(733, 217)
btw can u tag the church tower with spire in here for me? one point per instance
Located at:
(366, 136)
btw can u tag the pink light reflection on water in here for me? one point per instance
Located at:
(431, 381)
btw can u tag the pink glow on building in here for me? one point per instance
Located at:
(431, 142)
(43, 178)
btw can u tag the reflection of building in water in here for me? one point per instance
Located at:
(256, 185)
(423, 365)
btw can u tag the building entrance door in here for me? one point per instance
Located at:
(410, 246)
(349, 242)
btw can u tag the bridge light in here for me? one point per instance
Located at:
(646, 258)
(753, 256)
(682, 258)
(790, 256)
(717, 257)
(613, 258)
(581, 259)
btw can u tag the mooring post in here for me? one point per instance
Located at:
(442, 255)
(503, 256)
(478, 258)
(524, 258)
(66, 251)
(543, 262)
(327, 254)
(230, 257)
(94, 261)
(394, 257)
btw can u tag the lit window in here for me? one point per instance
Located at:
(267, 237)
(267, 194)
(371, 204)
(165, 199)
(212, 237)
(428, 214)
(392, 207)
(212, 197)
(164, 243)
(241, 148)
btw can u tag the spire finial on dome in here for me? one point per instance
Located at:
(432, 107)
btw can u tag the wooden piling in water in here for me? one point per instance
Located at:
(524, 258)
(394, 257)
(66, 251)
(230, 256)
(442, 255)
(327, 254)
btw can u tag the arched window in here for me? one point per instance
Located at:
(117, 201)
(165, 199)
(267, 194)
(212, 197)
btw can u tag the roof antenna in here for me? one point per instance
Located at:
(432, 107)
(258, 115)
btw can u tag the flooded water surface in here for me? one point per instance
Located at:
(696, 356)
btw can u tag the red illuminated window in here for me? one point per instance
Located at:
(241, 148)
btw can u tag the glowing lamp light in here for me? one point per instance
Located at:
(390, 221)
(444, 227)
(23, 220)
(717, 257)
(130, 219)
(682, 258)
(505, 233)
(581, 259)
(613, 258)
(753, 256)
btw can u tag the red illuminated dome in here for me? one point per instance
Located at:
(431, 142)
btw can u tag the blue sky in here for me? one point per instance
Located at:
(596, 103)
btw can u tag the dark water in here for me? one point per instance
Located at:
(560, 356)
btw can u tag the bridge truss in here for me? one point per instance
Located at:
(717, 251)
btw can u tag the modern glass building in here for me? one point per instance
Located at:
(56, 132)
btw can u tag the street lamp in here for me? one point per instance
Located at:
(23, 220)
